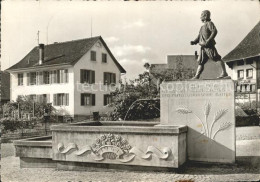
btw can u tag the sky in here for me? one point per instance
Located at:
(135, 32)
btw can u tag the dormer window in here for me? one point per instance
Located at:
(93, 55)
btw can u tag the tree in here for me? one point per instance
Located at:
(139, 98)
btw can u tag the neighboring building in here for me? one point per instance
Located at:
(187, 62)
(4, 88)
(74, 76)
(244, 60)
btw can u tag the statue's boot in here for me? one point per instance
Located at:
(224, 72)
(198, 73)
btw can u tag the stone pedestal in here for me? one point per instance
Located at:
(207, 107)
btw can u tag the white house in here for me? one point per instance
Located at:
(244, 60)
(75, 76)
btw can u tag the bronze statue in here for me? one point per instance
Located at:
(208, 51)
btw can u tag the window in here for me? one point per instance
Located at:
(240, 63)
(252, 87)
(238, 88)
(104, 58)
(53, 76)
(20, 78)
(32, 78)
(39, 78)
(59, 76)
(243, 88)
(107, 99)
(240, 74)
(87, 76)
(249, 61)
(61, 99)
(109, 78)
(92, 55)
(248, 88)
(44, 98)
(46, 77)
(249, 73)
(88, 99)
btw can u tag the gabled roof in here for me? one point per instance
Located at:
(248, 47)
(64, 53)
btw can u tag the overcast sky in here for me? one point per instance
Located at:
(136, 32)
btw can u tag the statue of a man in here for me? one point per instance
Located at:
(206, 40)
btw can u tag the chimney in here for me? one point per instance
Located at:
(41, 53)
(196, 55)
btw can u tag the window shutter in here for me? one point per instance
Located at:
(67, 99)
(114, 78)
(66, 76)
(40, 78)
(48, 98)
(37, 78)
(93, 99)
(104, 78)
(58, 76)
(28, 78)
(81, 76)
(54, 74)
(55, 99)
(88, 76)
(50, 77)
(45, 77)
(61, 76)
(82, 99)
(105, 100)
(93, 76)
(109, 77)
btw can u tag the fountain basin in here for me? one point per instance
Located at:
(113, 143)
(35, 152)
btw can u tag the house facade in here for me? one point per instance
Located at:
(244, 60)
(75, 76)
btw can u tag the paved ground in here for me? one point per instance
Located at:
(12, 173)
(248, 133)
(247, 146)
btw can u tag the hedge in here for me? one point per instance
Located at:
(252, 120)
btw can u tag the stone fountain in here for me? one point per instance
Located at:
(197, 123)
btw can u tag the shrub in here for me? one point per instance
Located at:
(12, 124)
(252, 120)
